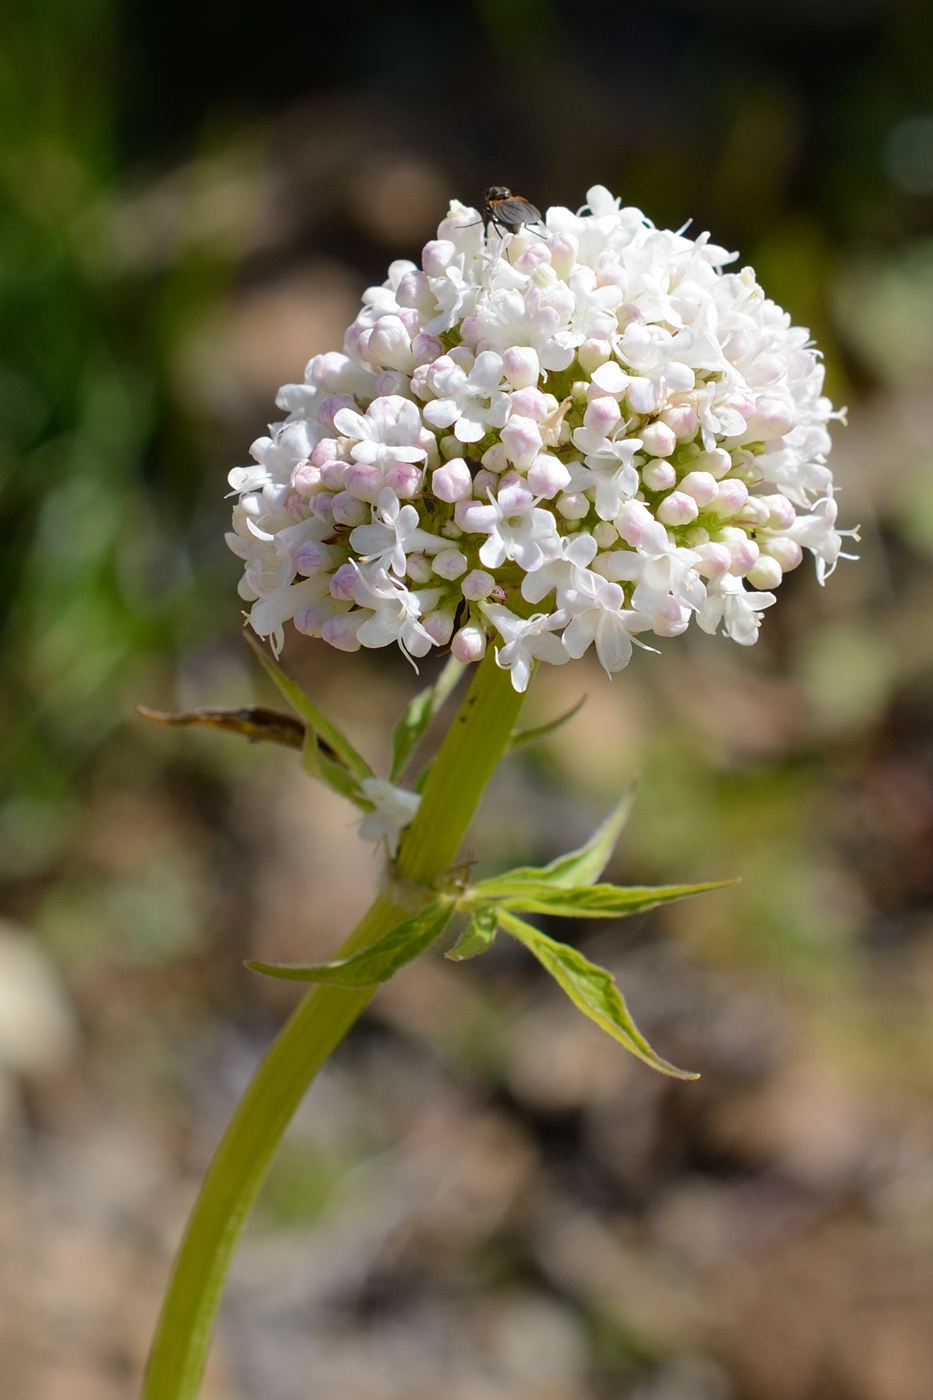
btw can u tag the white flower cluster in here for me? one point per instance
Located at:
(568, 436)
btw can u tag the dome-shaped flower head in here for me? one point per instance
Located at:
(570, 436)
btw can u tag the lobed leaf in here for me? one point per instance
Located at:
(522, 738)
(476, 937)
(419, 714)
(313, 717)
(374, 964)
(587, 901)
(254, 722)
(592, 990)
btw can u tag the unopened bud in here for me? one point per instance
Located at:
(340, 631)
(678, 509)
(593, 353)
(437, 256)
(450, 563)
(405, 479)
(495, 459)
(786, 551)
(418, 568)
(682, 420)
(477, 584)
(658, 475)
(563, 248)
(439, 625)
(573, 506)
(469, 645)
(348, 510)
(717, 462)
(344, 582)
(715, 559)
(702, 486)
(602, 414)
(730, 498)
(658, 439)
(521, 440)
(547, 475)
(765, 573)
(744, 556)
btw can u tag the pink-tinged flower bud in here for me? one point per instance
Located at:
(389, 345)
(405, 479)
(717, 462)
(340, 631)
(390, 381)
(730, 498)
(521, 439)
(334, 475)
(477, 584)
(344, 582)
(682, 420)
(715, 559)
(603, 414)
(348, 510)
(325, 414)
(496, 459)
(437, 256)
(414, 290)
(418, 568)
(530, 403)
(483, 482)
(592, 354)
(364, 481)
(677, 509)
(671, 620)
(754, 512)
(658, 475)
(702, 486)
(781, 512)
(609, 378)
(772, 417)
(327, 450)
(787, 552)
(310, 619)
(426, 349)
(547, 475)
(469, 645)
(439, 625)
(573, 506)
(312, 557)
(452, 482)
(744, 556)
(469, 330)
(305, 478)
(521, 366)
(533, 257)
(765, 573)
(658, 439)
(410, 319)
(563, 248)
(421, 382)
(322, 506)
(450, 563)
(747, 468)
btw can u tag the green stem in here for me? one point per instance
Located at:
(466, 761)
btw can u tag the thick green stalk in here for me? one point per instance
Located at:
(464, 765)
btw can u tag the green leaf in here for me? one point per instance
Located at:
(476, 937)
(592, 989)
(522, 738)
(322, 726)
(376, 963)
(319, 763)
(419, 714)
(584, 902)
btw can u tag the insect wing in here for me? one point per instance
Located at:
(512, 213)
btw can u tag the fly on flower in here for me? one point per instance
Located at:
(508, 211)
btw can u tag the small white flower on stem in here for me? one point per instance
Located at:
(527, 639)
(472, 402)
(516, 527)
(394, 808)
(739, 611)
(393, 534)
(598, 614)
(396, 610)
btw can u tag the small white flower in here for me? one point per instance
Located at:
(387, 434)
(516, 528)
(597, 614)
(396, 610)
(392, 536)
(526, 640)
(470, 402)
(394, 808)
(728, 602)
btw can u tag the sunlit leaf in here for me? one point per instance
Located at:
(476, 937)
(592, 989)
(313, 717)
(586, 901)
(254, 722)
(419, 714)
(377, 963)
(522, 738)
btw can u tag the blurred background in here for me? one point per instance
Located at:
(482, 1197)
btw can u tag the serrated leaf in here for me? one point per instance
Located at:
(476, 937)
(313, 717)
(419, 714)
(377, 963)
(253, 722)
(522, 738)
(592, 990)
(586, 901)
(321, 765)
